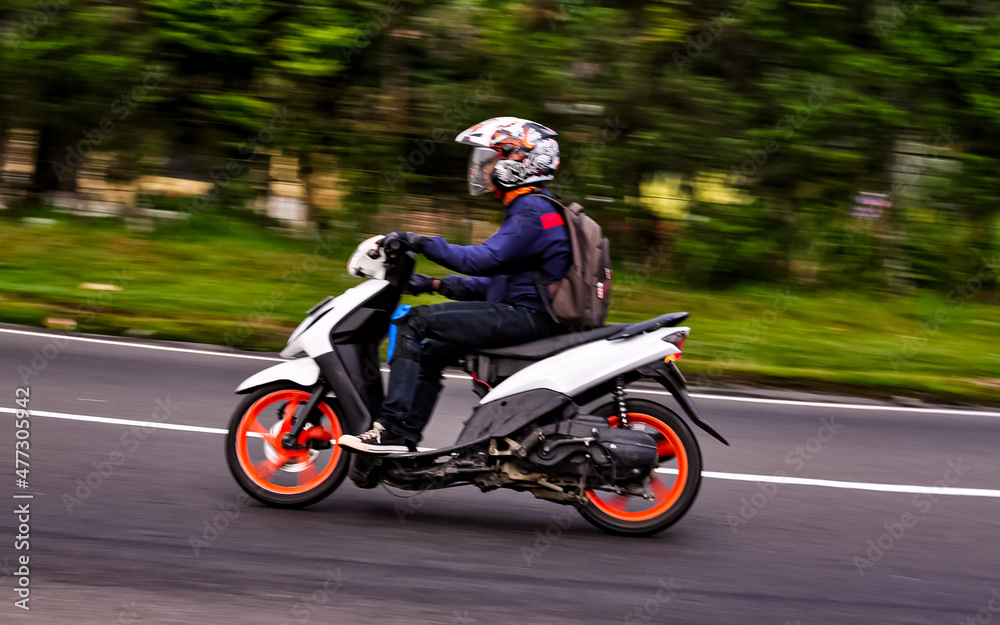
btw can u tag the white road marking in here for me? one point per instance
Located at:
(742, 477)
(823, 404)
(162, 348)
(109, 420)
(883, 488)
(454, 376)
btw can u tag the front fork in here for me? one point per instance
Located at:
(302, 416)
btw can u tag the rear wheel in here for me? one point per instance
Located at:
(271, 474)
(662, 498)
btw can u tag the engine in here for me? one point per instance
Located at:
(586, 446)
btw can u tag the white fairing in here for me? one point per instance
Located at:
(302, 371)
(575, 370)
(313, 334)
(364, 266)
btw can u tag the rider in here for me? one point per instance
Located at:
(500, 304)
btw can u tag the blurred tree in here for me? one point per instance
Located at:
(774, 114)
(71, 64)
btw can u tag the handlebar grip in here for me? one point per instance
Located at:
(394, 245)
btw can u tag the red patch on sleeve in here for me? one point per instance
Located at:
(551, 220)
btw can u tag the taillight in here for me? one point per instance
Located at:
(677, 339)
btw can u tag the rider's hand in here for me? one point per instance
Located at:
(420, 283)
(411, 240)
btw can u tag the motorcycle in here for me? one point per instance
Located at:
(629, 466)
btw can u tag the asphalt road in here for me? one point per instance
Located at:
(134, 547)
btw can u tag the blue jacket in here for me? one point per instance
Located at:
(532, 238)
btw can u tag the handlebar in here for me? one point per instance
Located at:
(392, 248)
(395, 245)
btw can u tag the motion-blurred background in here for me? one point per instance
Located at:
(817, 182)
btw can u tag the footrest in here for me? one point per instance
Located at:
(426, 452)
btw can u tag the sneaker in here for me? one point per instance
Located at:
(377, 440)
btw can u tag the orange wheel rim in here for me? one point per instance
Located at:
(668, 446)
(262, 473)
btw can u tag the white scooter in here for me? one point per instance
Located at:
(630, 466)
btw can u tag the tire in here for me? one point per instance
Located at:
(271, 474)
(680, 458)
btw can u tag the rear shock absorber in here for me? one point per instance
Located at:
(619, 395)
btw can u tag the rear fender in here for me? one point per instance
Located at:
(669, 376)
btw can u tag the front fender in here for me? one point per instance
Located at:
(302, 371)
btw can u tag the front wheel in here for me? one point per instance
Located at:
(271, 474)
(662, 498)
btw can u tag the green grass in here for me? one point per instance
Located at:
(231, 283)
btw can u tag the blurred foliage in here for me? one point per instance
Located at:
(227, 282)
(797, 105)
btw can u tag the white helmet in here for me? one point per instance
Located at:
(509, 152)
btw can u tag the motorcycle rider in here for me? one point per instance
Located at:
(499, 304)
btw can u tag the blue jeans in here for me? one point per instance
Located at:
(431, 337)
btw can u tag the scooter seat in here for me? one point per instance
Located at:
(543, 348)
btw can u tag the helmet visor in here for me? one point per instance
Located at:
(481, 164)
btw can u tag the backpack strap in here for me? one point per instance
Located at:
(554, 199)
(543, 288)
(544, 294)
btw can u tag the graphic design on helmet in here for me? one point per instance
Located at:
(509, 152)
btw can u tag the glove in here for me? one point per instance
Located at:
(410, 240)
(420, 284)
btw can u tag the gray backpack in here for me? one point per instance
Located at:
(580, 300)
